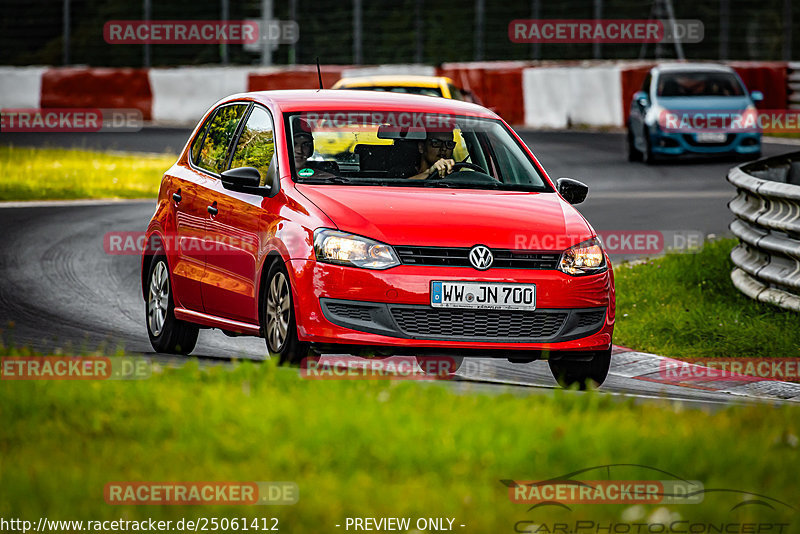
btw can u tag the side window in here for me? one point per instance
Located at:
(256, 145)
(198, 141)
(221, 130)
(455, 92)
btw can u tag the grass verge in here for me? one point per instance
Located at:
(50, 173)
(686, 305)
(374, 448)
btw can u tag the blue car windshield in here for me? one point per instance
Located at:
(699, 83)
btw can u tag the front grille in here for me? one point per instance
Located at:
(482, 324)
(459, 257)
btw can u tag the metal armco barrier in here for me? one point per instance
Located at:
(767, 210)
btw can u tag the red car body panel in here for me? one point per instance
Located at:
(217, 262)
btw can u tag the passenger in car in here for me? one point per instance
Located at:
(303, 141)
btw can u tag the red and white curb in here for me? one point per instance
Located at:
(647, 367)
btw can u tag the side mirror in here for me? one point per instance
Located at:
(641, 98)
(757, 96)
(248, 180)
(573, 191)
(241, 177)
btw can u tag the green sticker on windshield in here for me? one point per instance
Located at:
(305, 172)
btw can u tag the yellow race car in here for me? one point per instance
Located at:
(439, 86)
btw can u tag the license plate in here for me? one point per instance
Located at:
(710, 137)
(483, 295)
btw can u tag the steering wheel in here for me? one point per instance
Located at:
(456, 168)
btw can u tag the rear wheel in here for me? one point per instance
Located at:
(280, 326)
(167, 334)
(568, 372)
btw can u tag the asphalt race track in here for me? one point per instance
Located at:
(60, 290)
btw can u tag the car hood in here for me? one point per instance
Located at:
(728, 103)
(452, 218)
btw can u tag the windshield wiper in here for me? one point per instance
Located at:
(329, 180)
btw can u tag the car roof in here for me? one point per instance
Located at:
(335, 100)
(393, 79)
(692, 67)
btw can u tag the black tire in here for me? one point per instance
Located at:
(278, 320)
(634, 154)
(569, 372)
(167, 333)
(647, 156)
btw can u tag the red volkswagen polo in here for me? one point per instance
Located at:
(436, 233)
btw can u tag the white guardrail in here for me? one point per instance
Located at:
(767, 210)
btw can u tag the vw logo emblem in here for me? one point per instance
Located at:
(481, 257)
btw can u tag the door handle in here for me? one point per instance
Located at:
(176, 196)
(212, 209)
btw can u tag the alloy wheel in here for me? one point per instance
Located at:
(158, 301)
(278, 312)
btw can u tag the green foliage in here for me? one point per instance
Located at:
(369, 448)
(686, 305)
(45, 173)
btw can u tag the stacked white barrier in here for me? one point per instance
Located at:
(566, 96)
(21, 87)
(182, 95)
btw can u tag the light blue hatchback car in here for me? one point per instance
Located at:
(692, 109)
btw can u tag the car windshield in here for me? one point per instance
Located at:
(409, 90)
(401, 148)
(699, 83)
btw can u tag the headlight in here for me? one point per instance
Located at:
(333, 246)
(583, 258)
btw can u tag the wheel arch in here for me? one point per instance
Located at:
(273, 257)
(152, 248)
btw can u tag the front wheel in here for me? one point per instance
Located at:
(633, 153)
(167, 334)
(647, 156)
(280, 326)
(568, 372)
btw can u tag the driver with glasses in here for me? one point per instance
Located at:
(436, 157)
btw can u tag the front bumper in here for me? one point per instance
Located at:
(345, 305)
(677, 144)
